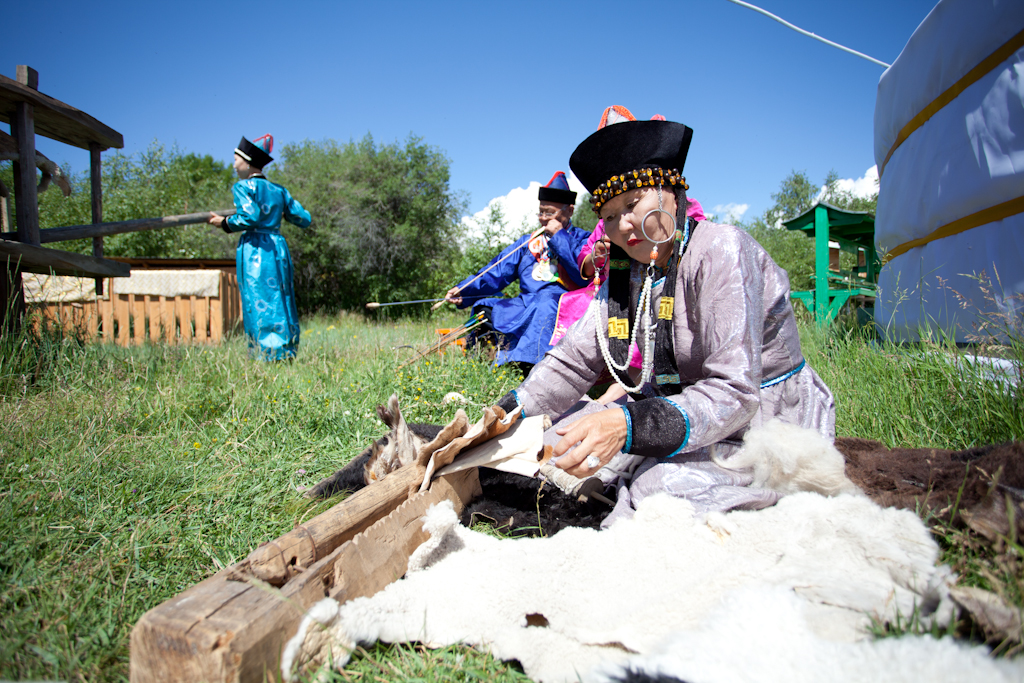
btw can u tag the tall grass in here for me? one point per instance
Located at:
(127, 475)
(930, 394)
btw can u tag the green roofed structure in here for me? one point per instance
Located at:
(854, 232)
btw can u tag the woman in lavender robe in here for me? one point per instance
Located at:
(711, 314)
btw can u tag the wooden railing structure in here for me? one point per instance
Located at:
(129, 318)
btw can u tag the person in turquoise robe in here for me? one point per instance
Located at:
(263, 262)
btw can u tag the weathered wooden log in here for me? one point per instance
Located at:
(224, 629)
(76, 232)
(279, 560)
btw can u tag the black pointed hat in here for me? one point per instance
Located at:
(631, 154)
(557, 190)
(258, 154)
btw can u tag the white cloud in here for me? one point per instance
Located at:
(519, 207)
(729, 213)
(865, 186)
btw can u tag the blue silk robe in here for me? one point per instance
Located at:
(264, 266)
(528, 320)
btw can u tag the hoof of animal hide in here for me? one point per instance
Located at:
(318, 642)
(442, 524)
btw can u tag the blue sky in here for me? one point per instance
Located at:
(507, 90)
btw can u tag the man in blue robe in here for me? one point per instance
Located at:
(544, 263)
(263, 262)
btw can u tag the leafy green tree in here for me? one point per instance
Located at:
(385, 221)
(584, 216)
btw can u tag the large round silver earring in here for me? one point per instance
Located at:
(643, 228)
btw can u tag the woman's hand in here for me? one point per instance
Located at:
(214, 219)
(600, 252)
(452, 296)
(601, 434)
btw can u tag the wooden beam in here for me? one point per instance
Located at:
(56, 120)
(96, 197)
(276, 562)
(26, 75)
(26, 199)
(224, 630)
(33, 259)
(77, 232)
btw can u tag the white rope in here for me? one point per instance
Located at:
(808, 33)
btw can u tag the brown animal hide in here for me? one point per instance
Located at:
(988, 481)
(427, 447)
(400, 447)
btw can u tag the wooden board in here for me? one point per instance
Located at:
(223, 631)
(56, 120)
(32, 259)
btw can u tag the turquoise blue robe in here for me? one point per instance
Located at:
(264, 266)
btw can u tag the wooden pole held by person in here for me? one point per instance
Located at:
(76, 232)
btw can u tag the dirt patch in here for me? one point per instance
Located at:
(989, 481)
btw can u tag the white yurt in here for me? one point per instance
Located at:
(949, 144)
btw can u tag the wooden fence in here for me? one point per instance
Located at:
(131, 319)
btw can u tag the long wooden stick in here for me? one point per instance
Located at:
(373, 304)
(75, 232)
(489, 268)
(473, 323)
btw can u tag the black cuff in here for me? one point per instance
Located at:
(225, 227)
(656, 428)
(508, 402)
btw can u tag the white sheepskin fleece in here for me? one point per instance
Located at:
(787, 459)
(762, 635)
(607, 595)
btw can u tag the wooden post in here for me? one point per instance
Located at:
(201, 308)
(105, 316)
(821, 257)
(4, 211)
(152, 307)
(138, 318)
(122, 314)
(183, 312)
(95, 177)
(24, 132)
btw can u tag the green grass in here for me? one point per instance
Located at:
(127, 475)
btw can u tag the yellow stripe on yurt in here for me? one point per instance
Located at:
(983, 217)
(971, 77)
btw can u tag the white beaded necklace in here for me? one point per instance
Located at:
(644, 312)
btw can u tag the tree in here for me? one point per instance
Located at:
(584, 216)
(385, 221)
(796, 194)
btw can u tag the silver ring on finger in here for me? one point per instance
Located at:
(593, 462)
